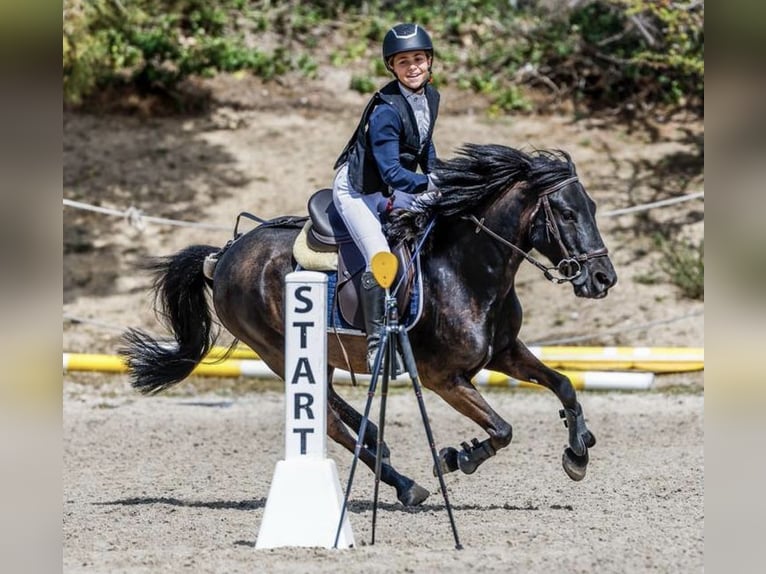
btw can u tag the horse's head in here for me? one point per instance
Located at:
(564, 230)
(521, 201)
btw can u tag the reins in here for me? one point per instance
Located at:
(415, 254)
(570, 267)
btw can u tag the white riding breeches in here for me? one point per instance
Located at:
(361, 213)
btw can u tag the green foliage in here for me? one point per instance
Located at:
(511, 99)
(616, 54)
(684, 265)
(641, 51)
(87, 52)
(156, 44)
(363, 84)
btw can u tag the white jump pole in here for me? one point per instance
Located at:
(305, 499)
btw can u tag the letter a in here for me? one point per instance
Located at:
(303, 369)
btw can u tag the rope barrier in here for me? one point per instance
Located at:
(101, 324)
(136, 218)
(653, 204)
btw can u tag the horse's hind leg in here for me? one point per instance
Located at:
(519, 362)
(353, 419)
(467, 400)
(408, 491)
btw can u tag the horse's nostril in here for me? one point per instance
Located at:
(604, 279)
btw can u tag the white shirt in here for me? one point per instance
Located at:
(420, 109)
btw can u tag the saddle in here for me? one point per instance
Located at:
(325, 233)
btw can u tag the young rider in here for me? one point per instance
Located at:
(379, 164)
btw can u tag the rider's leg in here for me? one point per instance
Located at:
(373, 307)
(359, 212)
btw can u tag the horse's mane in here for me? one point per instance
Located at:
(476, 175)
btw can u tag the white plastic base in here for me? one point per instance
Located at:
(304, 504)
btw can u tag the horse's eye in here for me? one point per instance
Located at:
(568, 215)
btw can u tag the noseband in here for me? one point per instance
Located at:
(570, 266)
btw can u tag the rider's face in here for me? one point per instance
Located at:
(411, 68)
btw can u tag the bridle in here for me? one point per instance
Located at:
(570, 266)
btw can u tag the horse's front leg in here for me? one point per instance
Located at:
(519, 362)
(466, 399)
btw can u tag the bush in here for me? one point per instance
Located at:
(628, 55)
(640, 52)
(155, 44)
(684, 265)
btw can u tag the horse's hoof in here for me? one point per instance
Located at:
(414, 495)
(447, 461)
(580, 438)
(574, 465)
(467, 463)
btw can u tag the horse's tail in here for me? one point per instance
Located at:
(181, 303)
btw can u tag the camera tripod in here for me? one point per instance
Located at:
(393, 335)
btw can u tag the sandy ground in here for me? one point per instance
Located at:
(179, 482)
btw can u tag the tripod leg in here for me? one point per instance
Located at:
(362, 430)
(387, 350)
(409, 363)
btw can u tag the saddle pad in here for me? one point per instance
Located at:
(407, 317)
(310, 259)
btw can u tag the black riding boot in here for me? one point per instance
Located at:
(373, 299)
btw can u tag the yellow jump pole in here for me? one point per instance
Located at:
(650, 359)
(588, 380)
(654, 359)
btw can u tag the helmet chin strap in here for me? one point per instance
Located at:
(428, 79)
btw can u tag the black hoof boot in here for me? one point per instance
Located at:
(447, 460)
(474, 454)
(580, 438)
(574, 465)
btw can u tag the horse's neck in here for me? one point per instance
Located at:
(509, 217)
(487, 262)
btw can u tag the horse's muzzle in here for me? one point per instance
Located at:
(597, 277)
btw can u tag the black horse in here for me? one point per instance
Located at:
(496, 204)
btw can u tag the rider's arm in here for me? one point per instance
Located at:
(384, 129)
(431, 156)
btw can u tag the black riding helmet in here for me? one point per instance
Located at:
(406, 38)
